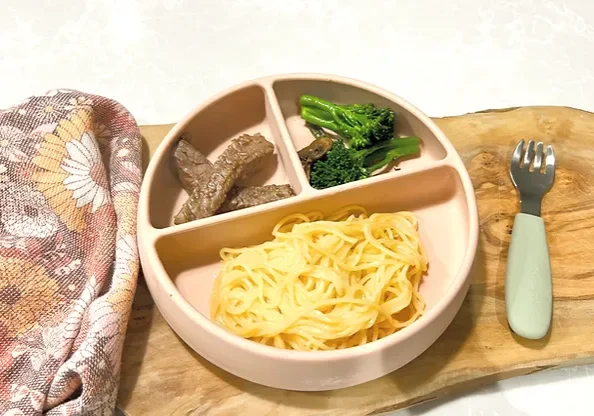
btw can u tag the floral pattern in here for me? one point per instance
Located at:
(44, 110)
(24, 301)
(69, 182)
(78, 102)
(82, 162)
(11, 139)
(42, 349)
(103, 135)
(26, 213)
(38, 133)
(70, 172)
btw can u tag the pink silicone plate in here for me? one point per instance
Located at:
(180, 262)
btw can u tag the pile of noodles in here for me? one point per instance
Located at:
(324, 283)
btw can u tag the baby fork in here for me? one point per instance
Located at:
(528, 282)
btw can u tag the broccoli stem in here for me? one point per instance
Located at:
(319, 118)
(383, 153)
(327, 120)
(326, 111)
(315, 102)
(360, 125)
(391, 156)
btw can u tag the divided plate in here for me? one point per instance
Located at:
(180, 262)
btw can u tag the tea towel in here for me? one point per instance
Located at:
(70, 173)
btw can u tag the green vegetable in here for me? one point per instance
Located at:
(337, 168)
(316, 131)
(342, 165)
(361, 125)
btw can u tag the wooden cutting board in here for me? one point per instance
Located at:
(163, 376)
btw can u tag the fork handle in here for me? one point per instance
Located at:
(528, 282)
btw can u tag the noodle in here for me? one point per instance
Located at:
(324, 283)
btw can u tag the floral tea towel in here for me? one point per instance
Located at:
(70, 173)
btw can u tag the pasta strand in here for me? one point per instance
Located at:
(324, 283)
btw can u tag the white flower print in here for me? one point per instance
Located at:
(18, 393)
(45, 110)
(77, 102)
(123, 152)
(126, 252)
(106, 322)
(132, 168)
(133, 175)
(86, 179)
(52, 345)
(126, 187)
(88, 349)
(74, 319)
(11, 140)
(26, 213)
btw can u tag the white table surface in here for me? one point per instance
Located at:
(162, 57)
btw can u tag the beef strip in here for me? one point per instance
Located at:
(242, 154)
(193, 168)
(245, 197)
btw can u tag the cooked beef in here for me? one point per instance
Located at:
(314, 151)
(242, 154)
(193, 168)
(245, 197)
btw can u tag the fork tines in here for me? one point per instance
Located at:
(532, 158)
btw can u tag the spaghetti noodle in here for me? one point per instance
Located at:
(324, 283)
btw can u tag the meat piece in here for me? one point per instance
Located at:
(193, 168)
(314, 151)
(245, 197)
(242, 154)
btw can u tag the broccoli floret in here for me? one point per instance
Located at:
(361, 125)
(336, 168)
(342, 165)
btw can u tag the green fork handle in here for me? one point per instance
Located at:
(528, 282)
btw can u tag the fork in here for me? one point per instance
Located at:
(528, 281)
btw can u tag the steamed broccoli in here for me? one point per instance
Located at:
(336, 168)
(361, 125)
(342, 165)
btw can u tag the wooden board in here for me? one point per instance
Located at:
(163, 376)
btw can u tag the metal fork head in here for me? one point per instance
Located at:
(532, 171)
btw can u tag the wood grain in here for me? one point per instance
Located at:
(162, 376)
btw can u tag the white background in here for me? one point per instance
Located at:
(160, 58)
